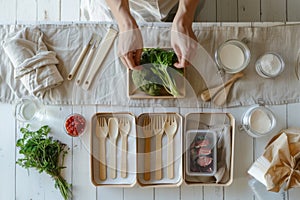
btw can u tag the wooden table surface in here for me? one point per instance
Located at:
(18, 183)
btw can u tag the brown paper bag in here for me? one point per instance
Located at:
(283, 153)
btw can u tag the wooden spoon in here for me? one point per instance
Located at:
(113, 136)
(220, 98)
(208, 94)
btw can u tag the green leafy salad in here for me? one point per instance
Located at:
(157, 78)
(45, 155)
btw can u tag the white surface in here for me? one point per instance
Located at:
(17, 183)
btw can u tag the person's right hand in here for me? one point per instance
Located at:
(130, 44)
(183, 41)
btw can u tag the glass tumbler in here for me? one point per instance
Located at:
(28, 109)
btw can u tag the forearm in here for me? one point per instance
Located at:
(121, 11)
(186, 11)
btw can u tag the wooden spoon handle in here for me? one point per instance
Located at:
(207, 95)
(113, 157)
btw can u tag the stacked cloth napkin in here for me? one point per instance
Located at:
(33, 64)
(280, 163)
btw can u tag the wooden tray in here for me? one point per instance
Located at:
(177, 144)
(130, 180)
(215, 121)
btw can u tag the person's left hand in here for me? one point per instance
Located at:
(183, 41)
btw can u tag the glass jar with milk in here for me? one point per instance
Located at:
(232, 56)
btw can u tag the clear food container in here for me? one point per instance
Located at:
(201, 159)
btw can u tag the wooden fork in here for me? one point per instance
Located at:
(101, 133)
(124, 127)
(158, 131)
(147, 130)
(170, 130)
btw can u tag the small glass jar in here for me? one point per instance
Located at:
(232, 56)
(269, 65)
(258, 121)
(75, 125)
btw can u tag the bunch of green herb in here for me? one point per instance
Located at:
(45, 155)
(157, 75)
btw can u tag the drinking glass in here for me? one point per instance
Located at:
(28, 109)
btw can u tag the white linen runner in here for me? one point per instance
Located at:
(110, 85)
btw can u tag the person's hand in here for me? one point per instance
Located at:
(183, 41)
(130, 45)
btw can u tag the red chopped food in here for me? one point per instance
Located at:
(204, 161)
(204, 151)
(202, 143)
(75, 125)
(201, 154)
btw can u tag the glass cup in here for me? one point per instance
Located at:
(28, 109)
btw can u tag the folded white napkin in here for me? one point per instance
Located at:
(33, 64)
